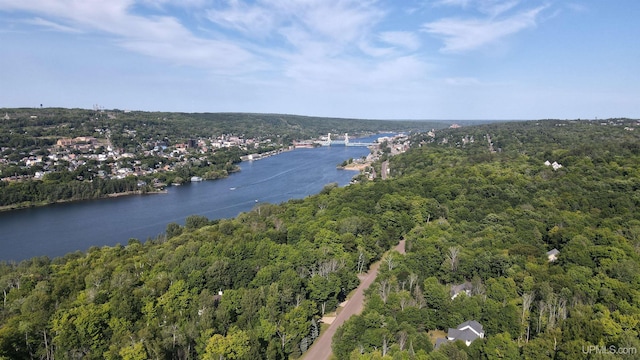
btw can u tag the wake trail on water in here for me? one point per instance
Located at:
(270, 177)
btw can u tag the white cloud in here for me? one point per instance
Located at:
(400, 71)
(242, 36)
(340, 51)
(462, 81)
(494, 8)
(348, 75)
(159, 4)
(316, 42)
(462, 3)
(376, 51)
(162, 37)
(490, 7)
(252, 20)
(51, 25)
(577, 7)
(461, 35)
(342, 21)
(405, 39)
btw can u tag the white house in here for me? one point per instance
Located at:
(554, 165)
(552, 254)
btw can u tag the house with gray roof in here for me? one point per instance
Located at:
(468, 331)
(552, 255)
(465, 287)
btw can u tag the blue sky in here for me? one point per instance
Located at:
(377, 59)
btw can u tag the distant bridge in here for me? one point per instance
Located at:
(344, 142)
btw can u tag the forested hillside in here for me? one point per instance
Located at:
(278, 267)
(490, 211)
(475, 204)
(30, 127)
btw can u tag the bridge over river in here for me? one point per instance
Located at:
(345, 142)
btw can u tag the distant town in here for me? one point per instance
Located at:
(99, 157)
(109, 150)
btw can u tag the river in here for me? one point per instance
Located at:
(58, 229)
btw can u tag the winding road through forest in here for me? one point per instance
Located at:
(321, 348)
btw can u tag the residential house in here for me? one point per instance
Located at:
(552, 254)
(467, 332)
(554, 165)
(64, 142)
(465, 287)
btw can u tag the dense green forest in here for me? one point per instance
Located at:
(47, 192)
(474, 204)
(488, 215)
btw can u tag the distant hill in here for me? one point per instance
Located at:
(78, 122)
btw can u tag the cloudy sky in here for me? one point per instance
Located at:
(381, 59)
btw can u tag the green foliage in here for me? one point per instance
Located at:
(467, 214)
(159, 299)
(235, 345)
(503, 211)
(500, 346)
(194, 222)
(62, 186)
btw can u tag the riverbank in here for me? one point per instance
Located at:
(27, 205)
(137, 192)
(56, 230)
(356, 167)
(252, 157)
(245, 158)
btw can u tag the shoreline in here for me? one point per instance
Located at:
(22, 206)
(336, 157)
(127, 193)
(355, 167)
(256, 156)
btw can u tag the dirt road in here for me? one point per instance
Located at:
(321, 348)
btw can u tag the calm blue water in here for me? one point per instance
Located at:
(62, 228)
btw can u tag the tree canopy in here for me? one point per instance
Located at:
(476, 205)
